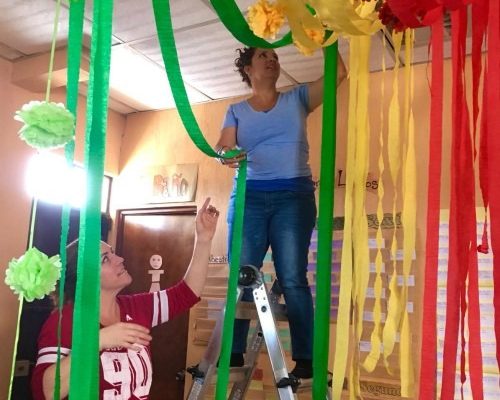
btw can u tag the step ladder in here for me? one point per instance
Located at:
(266, 304)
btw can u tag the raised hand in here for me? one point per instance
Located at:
(206, 221)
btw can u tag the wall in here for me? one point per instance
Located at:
(158, 138)
(15, 204)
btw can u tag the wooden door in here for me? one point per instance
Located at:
(169, 233)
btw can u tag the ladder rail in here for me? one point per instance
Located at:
(207, 368)
(266, 331)
(240, 388)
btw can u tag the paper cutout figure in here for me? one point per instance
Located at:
(155, 261)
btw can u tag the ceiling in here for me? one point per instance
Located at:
(206, 50)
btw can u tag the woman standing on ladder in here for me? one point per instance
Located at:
(280, 209)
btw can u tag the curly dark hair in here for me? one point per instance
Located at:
(244, 59)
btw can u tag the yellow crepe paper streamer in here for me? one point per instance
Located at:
(394, 150)
(265, 19)
(361, 47)
(301, 21)
(397, 314)
(408, 216)
(373, 357)
(316, 35)
(354, 272)
(343, 17)
(347, 17)
(346, 273)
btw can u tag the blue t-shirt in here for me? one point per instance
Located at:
(275, 140)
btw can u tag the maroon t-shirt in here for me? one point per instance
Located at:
(124, 374)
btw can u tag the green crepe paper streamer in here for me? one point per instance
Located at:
(84, 379)
(163, 19)
(53, 141)
(170, 59)
(325, 225)
(33, 275)
(233, 20)
(75, 35)
(165, 31)
(234, 267)
(47, 125)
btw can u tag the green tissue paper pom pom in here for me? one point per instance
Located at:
(33, 275)
(46, 125)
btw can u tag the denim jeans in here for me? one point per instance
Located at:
(283, 220)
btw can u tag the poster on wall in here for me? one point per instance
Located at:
(173, 183)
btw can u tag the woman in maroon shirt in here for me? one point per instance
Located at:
(124, 337)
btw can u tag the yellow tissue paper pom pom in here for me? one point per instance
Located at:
(316, 35)
(266, 19)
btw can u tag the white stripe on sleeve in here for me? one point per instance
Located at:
(155, 309)
(49, 358)
(52, 350)
(164, 306)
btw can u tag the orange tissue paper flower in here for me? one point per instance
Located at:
(266, 19)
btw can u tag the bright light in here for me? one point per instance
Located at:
(49, 179)
(145, 91)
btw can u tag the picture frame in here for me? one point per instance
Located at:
(172, 183)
